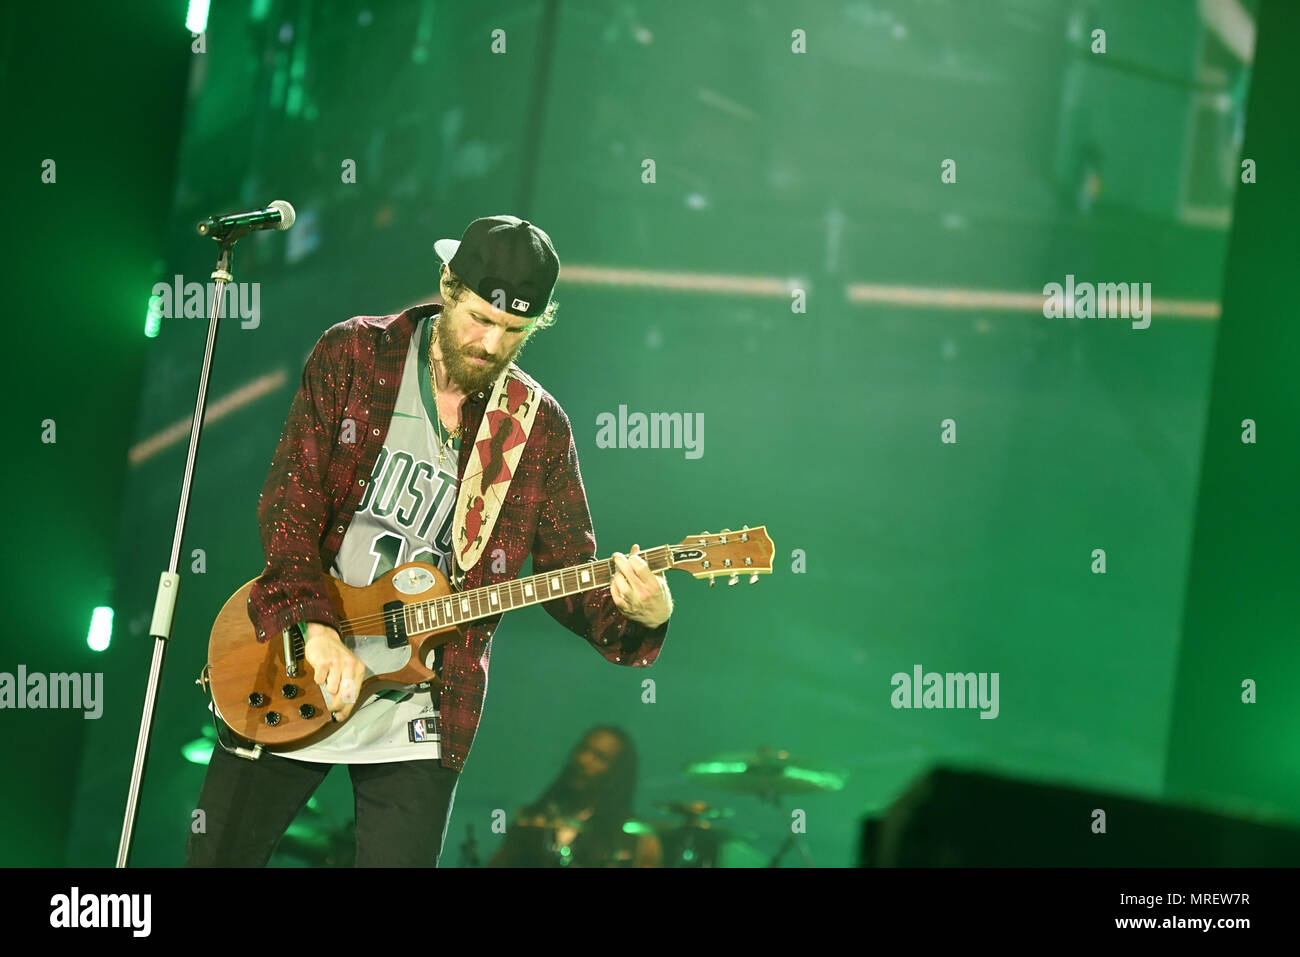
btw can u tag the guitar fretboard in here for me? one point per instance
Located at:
(489, 600)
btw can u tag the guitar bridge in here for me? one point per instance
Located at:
(292, 651)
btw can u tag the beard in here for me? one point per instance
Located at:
(468, 376)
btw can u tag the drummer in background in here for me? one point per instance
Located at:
(578, 821)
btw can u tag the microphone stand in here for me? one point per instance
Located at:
(169, 584)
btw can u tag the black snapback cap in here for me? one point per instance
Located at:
(506, 260)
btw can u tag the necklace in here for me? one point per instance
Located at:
(433, 377)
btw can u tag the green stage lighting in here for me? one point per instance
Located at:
(101, 628)
(153, 317)
(196, 17)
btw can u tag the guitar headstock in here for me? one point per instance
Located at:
(707, 555)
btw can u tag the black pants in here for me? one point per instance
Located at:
(402, 809)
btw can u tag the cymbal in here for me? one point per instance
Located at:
(766, 772)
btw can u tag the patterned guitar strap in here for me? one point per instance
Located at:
(507, 422)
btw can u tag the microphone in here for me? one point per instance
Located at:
(278, 215)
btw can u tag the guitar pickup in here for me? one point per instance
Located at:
(395, 624)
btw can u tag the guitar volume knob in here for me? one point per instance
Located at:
(273, 718)
(307, 711)
(289, 691)
(257, 699)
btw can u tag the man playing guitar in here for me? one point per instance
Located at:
(367, 476)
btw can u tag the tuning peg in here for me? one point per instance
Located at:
(733, 579)
(753, 578)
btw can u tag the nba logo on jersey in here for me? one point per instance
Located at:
(418, 730)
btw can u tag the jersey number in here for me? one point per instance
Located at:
(388, 548)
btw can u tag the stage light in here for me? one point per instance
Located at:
(198, 751)
(153, 317)
(196, 17)
(101, 629)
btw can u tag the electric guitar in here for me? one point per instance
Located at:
(266, 693)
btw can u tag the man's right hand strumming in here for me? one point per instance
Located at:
(338, 669)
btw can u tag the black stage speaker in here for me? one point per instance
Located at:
(955, 818)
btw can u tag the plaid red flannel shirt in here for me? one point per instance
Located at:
(314, 487)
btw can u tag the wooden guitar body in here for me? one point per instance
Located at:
(266, 692)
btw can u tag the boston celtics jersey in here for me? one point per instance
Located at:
(405, 515)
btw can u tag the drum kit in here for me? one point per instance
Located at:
(688, 834)
(696, 840)
(693, 833)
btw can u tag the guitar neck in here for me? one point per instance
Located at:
(488, 600)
